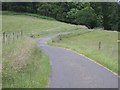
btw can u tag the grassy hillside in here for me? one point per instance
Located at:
(87, 43)
(24, 64)
(31, 24)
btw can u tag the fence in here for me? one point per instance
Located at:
(99, 46)
(11, 36)
(112, 49)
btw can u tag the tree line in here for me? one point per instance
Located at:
(92, 14)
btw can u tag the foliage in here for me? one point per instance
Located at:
(87, 17)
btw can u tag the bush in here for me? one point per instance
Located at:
(87, 17)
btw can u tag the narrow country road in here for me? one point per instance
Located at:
(70, 70)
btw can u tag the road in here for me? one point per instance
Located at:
(71, 70)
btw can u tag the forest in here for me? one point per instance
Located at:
(92, 14)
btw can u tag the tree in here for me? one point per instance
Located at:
(72, 15)
(102, 14)
(87, 16)
(34, 7)
(110, 16)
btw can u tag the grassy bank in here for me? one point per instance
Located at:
(87, 43)
(24, 65)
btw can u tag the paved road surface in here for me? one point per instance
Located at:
(70, 70)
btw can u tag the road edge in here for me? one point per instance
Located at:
(90, 60)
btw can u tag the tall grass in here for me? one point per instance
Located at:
(24, 65)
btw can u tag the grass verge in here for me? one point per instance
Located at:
(25, 65)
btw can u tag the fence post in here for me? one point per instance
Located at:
(99, 47)
(60, 38)
(21, 33)
(3, 37)
(8, 38)
(13, 36)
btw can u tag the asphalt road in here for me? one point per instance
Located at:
(71, 70)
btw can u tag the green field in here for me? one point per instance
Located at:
(24, 64)
(87, 43)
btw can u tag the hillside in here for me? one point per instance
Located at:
(31, 24)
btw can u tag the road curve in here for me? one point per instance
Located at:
(70, 70)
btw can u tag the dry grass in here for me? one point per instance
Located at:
(24, 65)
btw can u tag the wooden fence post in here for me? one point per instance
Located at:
(13, 36)
(8, 38)
(3, 37)
(60, 38)
(99, 47)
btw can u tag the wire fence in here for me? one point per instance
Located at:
(11, 36)
(99, 46)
